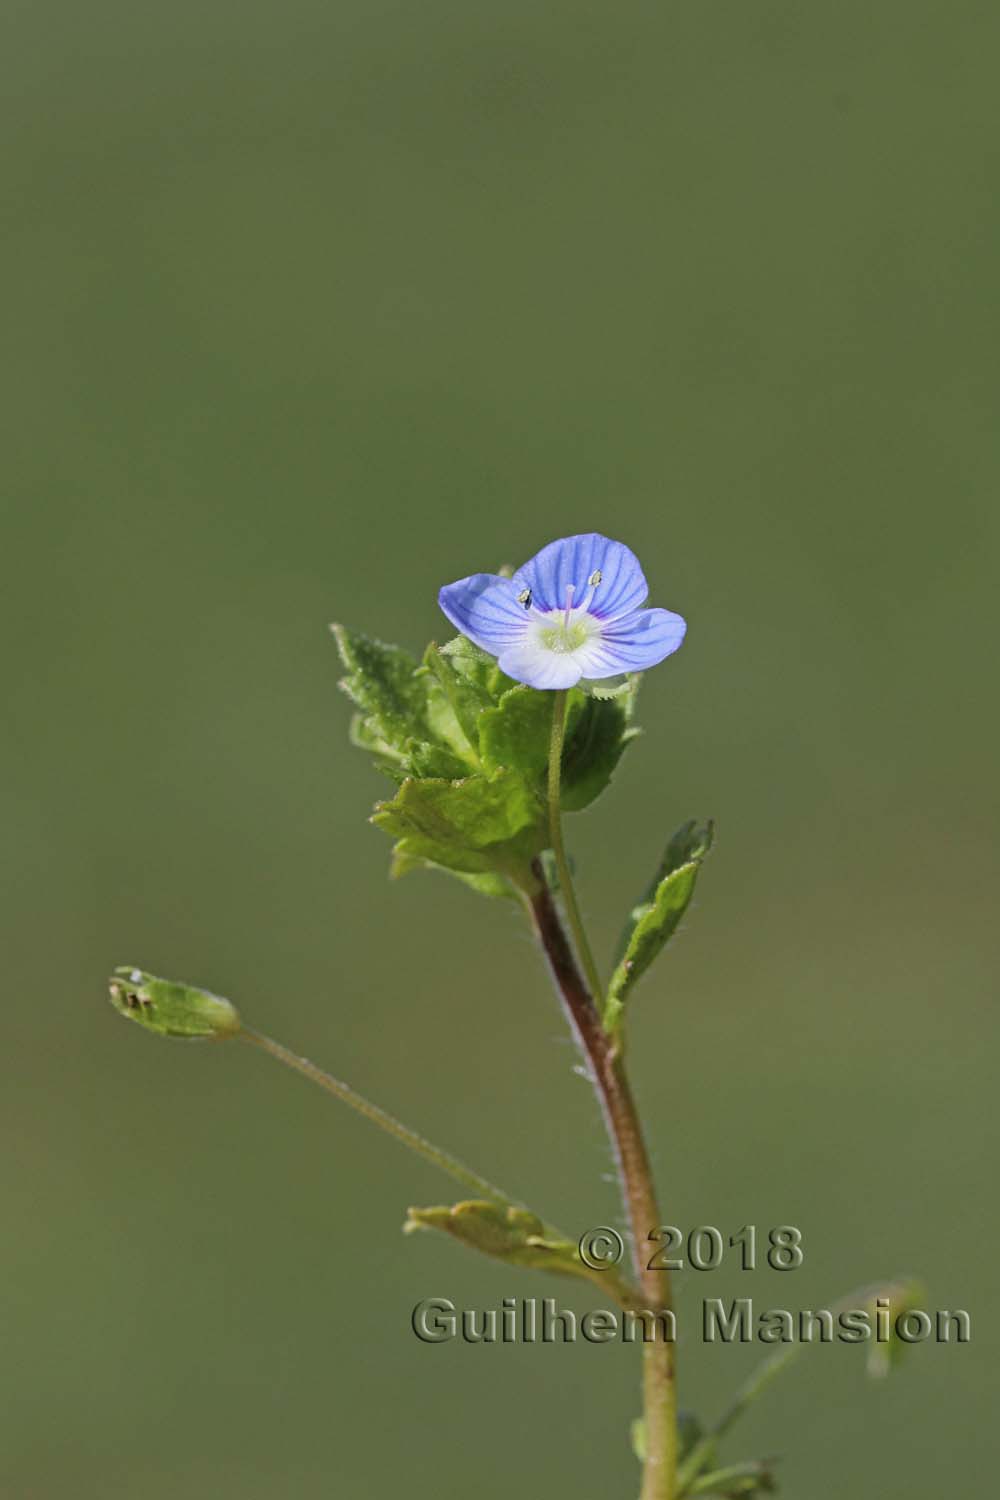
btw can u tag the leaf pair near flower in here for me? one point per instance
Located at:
(469, 749)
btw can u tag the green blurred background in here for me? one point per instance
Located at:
(310, 309)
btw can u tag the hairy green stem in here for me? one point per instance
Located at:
(559, 849)
(580, 999)
(342, 1091)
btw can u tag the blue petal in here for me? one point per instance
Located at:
(484, 607)
(633, 644)
(573, 561)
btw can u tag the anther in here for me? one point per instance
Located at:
(524, 597)
(594, 579)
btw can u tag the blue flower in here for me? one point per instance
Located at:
(574, 611)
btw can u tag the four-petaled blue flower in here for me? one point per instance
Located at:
(574, 611)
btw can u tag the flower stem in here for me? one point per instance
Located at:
(607, 1071)
(431, 1153)
(559, 848)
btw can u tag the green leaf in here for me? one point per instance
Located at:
(382, 680)
(514, 1235)
(455, 702)
(469, 750)
(475, 825)
(362, 734)
(597, 733)
(421, 723)
(171, 1009)
(487, 883)
(654, 921)
(397, 722)
(431, 758)
(692, 841)
(477, 667)
(516, 734)
(518, 731)
(517, 1237)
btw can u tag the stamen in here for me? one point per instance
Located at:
(592, 583)
(570, 591)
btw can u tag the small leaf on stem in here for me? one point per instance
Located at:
(516, 1236)
(476, 825)
(655, 920)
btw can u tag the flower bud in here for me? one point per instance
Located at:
(178, 1010)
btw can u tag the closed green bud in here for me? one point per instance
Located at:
(169, 1009)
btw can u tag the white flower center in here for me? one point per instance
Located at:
(566, 630)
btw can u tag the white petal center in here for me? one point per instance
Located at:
(563, 631)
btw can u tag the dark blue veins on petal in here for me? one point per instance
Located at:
(572, 562)
(484, 607)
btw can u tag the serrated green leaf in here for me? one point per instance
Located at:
(654, 921)
(455, 721)
(475, 825)
(382, 680)
(400, 722)
(432, 759)
(476, 812)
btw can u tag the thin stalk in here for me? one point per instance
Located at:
(559, 848)
(757, 1382)
(726, 1481)
(607, 1071)
(608, 1280)
(416, 1143)
(704, 1449)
